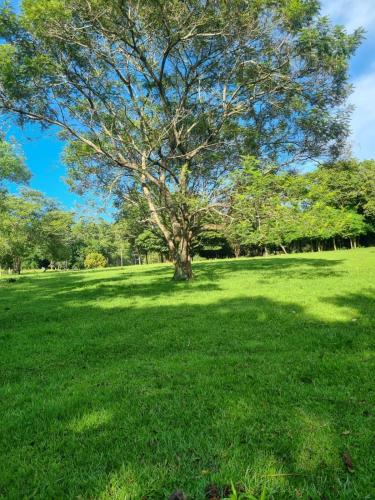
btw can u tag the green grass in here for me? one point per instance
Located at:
(122, 384)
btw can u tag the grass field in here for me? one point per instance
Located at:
(122, 384)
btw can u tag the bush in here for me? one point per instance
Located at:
(95, 259)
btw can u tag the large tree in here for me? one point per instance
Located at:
(164, 96)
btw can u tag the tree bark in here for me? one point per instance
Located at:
(182, 261)
(334, 244)
(182, 269)
(17, 265)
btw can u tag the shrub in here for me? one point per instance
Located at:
(95, 259)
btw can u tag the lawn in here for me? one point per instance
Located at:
(122, 384)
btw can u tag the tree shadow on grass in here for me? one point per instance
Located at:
(207, 275)
(290, 267)
(139, 401)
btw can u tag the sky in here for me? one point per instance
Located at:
(42, 150)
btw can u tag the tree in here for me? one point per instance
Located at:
(148, 242)
(12, 166)
(352, 225)
(122, 247)
(346, 184)
(263, 207)
(56, 236)
(165, 96)
(320, 222)
(20, 220)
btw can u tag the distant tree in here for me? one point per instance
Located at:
(56, 236)
(121, 242)
(92, 235)
(263, 209)
(352, 225)
(148, 242)
(20, 219)
(346, 184)
(165, 96)
(320, 222)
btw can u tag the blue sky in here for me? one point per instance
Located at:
(352, 14)
(42, 149)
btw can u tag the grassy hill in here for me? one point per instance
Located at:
(123, 384)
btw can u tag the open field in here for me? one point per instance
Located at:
(122, 384)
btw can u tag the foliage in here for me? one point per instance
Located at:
(269, 208)
(12, 166)
(94, 260)
(148, 242)
(20, 223)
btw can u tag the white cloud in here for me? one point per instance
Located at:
(351, 13)
(354, 14)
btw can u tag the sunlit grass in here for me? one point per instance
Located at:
(120, 383)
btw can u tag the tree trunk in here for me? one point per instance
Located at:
(182, 269)
(17, 265)
(284, 249)
(182, 261)
(334, 244)
(179, 236)
(237, 251)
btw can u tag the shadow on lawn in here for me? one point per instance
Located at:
(207, 275)
(137, 402)
(291, 267)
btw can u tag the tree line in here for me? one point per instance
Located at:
(258, 212)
